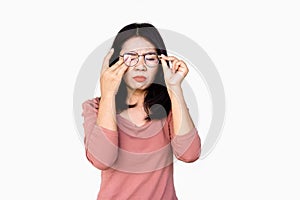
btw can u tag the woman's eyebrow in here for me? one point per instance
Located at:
(131, 52)
(149, 52)
(146, 52)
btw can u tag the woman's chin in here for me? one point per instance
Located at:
(140, 86)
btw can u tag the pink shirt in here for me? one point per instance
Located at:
(136, 162)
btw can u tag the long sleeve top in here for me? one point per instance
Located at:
(136, 162)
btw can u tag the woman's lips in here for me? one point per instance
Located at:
(139, 78)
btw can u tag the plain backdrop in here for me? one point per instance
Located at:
(254, 45)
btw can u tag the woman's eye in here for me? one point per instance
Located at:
(150, 59)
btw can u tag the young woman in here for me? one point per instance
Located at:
(141, 119)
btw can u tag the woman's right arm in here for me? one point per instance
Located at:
(110, 80)
(101, 144)
(101, 133)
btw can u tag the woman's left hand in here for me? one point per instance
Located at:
(175, 75)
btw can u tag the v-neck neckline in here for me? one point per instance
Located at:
(148, 129)
(133, 124)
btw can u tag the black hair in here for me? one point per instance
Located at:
(157, 103)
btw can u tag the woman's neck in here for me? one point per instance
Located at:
(136, 97)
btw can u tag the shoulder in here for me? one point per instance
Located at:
(93, 102)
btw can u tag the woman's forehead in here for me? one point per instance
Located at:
(138, 44)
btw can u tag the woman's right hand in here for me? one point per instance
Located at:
(110, 77)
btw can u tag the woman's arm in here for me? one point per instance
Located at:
(110, 80)
(182, 120)
(100, 125)
(101, 144)
(186, 142)
(106, 117)
(173, 77)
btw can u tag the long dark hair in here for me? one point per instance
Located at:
(157, 103)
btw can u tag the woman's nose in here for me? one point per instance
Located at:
(141, 64)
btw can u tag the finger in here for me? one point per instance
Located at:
(169, 58)
(117, 64)
(164, 64)
(121, 70)
(128, 61)
(173, 61)
(163, 61)
(182, 67)
(105, 64)
(175, 65)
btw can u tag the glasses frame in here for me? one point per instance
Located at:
(138, 58)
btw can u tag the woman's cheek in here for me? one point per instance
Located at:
(126, 79)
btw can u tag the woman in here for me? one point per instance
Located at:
(141, 119)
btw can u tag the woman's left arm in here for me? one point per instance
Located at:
(174, 76)
(186, 142)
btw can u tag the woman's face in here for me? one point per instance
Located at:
(140, 76)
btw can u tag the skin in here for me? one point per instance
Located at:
(111, 77)
(136, 90)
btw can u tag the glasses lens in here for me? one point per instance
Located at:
(130, 59)
(151, 60)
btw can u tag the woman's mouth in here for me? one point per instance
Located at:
(139, 78)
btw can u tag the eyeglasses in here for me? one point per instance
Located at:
(132, 58)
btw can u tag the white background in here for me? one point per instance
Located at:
(254, 45)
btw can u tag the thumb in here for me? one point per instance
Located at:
(165, 66)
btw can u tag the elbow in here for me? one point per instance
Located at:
(189, 158)
(101, 166)
(187, 147)
(98, 164)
